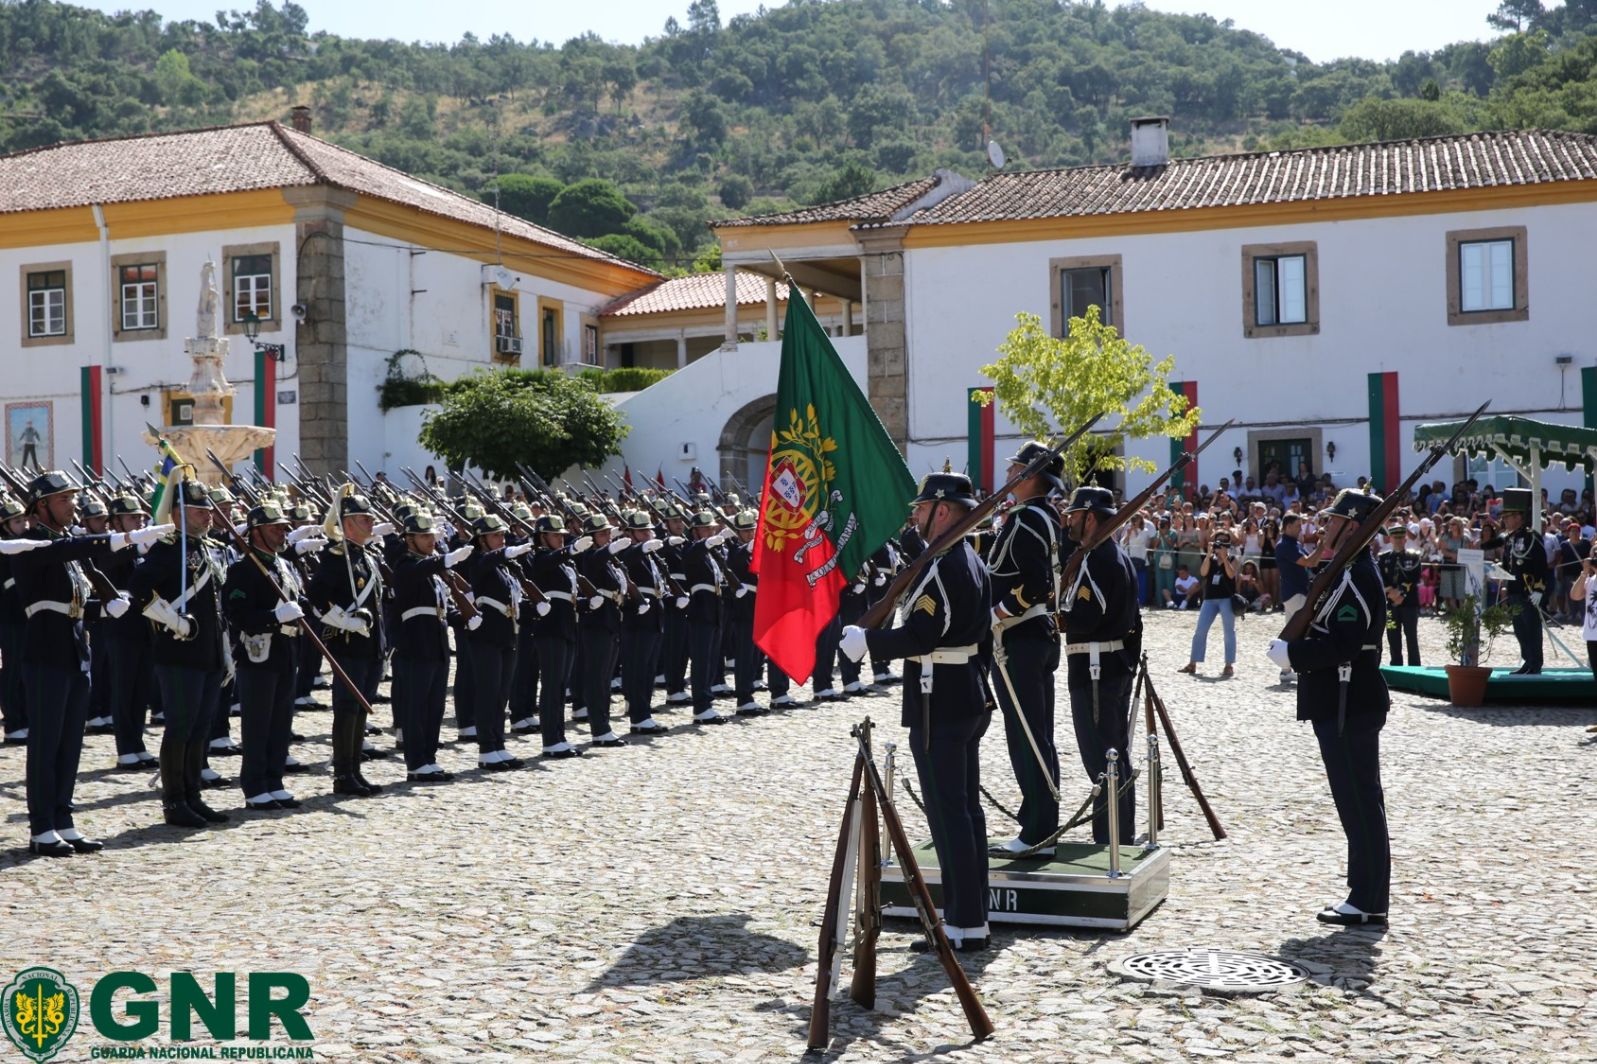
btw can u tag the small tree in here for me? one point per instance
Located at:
(1044, 385)
(1471, 630)
(590, 207)
(525, 196)
(544, 418)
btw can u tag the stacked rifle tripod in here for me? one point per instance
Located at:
(1110, 887)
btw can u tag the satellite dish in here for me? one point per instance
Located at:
(995, 155)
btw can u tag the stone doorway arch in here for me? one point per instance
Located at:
(745, 441)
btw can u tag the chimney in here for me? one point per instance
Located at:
(299, 117)
(1150, 141)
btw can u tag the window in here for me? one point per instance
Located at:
(1079, 283)
(507, 330)
(551, 332)
(1280, 289)
(1487, 276)
(47, 303)
(590, 344)
(250, 279)
(138, 298)
(139, 286)
(46, 293)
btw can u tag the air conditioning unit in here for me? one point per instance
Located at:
(508, 345)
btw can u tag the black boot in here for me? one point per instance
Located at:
(174, 796)
(193, 761)
(346, 755)
(358, 727)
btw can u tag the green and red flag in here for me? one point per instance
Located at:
(835, 490)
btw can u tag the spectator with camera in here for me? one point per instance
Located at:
(1218, 577)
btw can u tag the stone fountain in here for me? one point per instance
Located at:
(209, 387)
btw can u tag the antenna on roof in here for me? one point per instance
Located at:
(995, 155)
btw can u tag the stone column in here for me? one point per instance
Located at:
(682, 348)
(320, 339)
(886, 357)
(770, 308)
(848, 317)
(731, 342)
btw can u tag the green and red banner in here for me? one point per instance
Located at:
(836, 489)
(1588, 403)
(980, 461)
(93, 411)
(265, 407)
(1185, 479)
(1386, 456)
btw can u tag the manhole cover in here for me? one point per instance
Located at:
(1223, 971)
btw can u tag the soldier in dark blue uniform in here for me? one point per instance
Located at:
(1400, 572)
(13, 712)
(492, 637)
(642, 625)
(127, 638)
(95, 519)
(265, 627)
(1526, 558)
(554, 628)
(1023, 562)
(1103, 634)
(674, 639)
(703, 580)
(743, 584)
(1340, 690)
(942, 623)
(422, 614)
(599, 624)
(524, 684)
(56, 597)
(347, 596)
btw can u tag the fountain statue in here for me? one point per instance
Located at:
(209, 388)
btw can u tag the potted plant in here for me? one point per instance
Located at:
(1471, 631)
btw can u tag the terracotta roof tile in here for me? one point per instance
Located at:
(700, 291)
(1476, 160)
(871, 207)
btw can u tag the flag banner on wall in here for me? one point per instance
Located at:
(1185, 478)
(835, 490)
(265, 408)
(1386, 461)
(979, 464)
(90, 378)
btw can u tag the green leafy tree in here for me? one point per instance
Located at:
(1377, 119)
(630, 248)
(735, 191)
(1516, 16)
(854, 179)
(526, 196)
(550, 421)
(591, 207)
(1045, 384)
(1518, 52)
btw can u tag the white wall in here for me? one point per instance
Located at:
(1382, 307)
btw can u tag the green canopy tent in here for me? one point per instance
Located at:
(1525, 444)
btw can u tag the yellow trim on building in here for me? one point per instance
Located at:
(778, 237)
(146, 218)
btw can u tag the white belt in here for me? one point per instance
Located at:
(54, 607)
(484, 600)
(1037, 610)
(558, 596)
(613, 596)
(949, 655)
(11, 583)
(714, 589)
(423, 611)
(649, 592)
(290, 630)
(1095, 648)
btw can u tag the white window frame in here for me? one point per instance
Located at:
(141, 298)
(51, 305)
(1487, 282)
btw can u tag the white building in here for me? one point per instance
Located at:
(1327, 299)
(350, 267)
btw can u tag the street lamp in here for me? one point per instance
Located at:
(252, 329)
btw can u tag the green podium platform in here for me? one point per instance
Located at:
(1549, 687)
(1073, 889)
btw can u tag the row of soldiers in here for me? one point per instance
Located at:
(235, 605)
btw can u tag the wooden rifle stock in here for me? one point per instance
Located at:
(1181, 758)
(1357, 540)
(868, 907)
(821, 1013)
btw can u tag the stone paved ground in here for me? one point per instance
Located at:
(659, 903)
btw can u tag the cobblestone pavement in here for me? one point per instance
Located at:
(660, 903)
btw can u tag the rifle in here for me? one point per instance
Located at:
(605, 502)
(1181, 758)
(91, 483)
(868, 909)
(955, 533)
(1357, 540)
(238, 485)
(1130, 509)
(821, 1015)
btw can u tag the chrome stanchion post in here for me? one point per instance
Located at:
(889, 765)
(1155, 792)
(1112, 797)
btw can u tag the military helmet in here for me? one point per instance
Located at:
(420, 523)
(636, 521)
(596, 522)
(672, 512)
(1397, 530)
(300, 512)
(222, 497)
(354, 505)
(194, 494)
(703, 519)
(1516, 501)
(487, 524)
(521, 512)
(1351, 504)
(731, 499)
(404, 508)
(553, 523)
(1092, 499)
(745, 520)
(10, 508)
(579, 511)
(47, 484)
(1051, 470)
(265, 514)
(946, 487)
(91, 506)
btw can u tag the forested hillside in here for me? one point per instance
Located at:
(636, 147)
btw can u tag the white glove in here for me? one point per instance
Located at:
(675, 541)
(337, 618)
(652, 545)
(118, 606)
(595, 602)
(881, 580)
(998, 618)
(541, 609)
(682, 602)
(643, 607)
(518, 550)
(582, 543)
(182, 627)
(309, 546)
(458, 555)
(297, 534)
(1535, 598)
(1280, 653)
(241, 528)
(475, 623)
(149, 534)
(618, 545)
(740, 592)
(853, 642)
(20, 546)
(383, 528)
(287, 612)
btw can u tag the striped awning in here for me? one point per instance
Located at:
(1566, 445)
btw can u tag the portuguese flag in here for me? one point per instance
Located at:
(835, 490)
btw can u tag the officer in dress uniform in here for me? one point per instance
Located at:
(674, 640)
(492, 636)
(703, 580)
(884, 565)
(265, 627)
(524, 685)
(554, 628)
(1526, 559)
(1400, 572)
(1103, 634)
(178, 588)
(421, 644)
(13, 714)
(50, 567)
(1023, 562)
(942, 623)
(642, 626)
(599, 624)
(740, 614)
(304, 528)
(95, 519)
(1341, 691)
(127, 638)
(347, 596)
